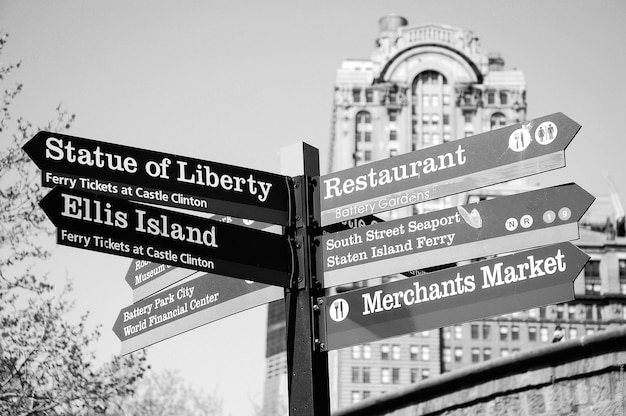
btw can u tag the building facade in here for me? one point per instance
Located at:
(422, 86)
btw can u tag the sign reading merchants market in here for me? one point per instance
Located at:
(484, 159)
(478, 290)
(499, 225)
(159, 178)
(116, 226)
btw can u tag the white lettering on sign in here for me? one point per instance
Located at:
(203, 175)
(418, 293)
(528, 270)
(334, 187)
(163, 227)
(58, 149)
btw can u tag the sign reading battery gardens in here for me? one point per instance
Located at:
(494, 226)
(159, 178)
(115, 226)
(478, 290)
(458, 166)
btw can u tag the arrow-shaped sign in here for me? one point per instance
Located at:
(146, 277)
(500, 225)
(115, 226)
(159, 178)
(187, 306)
(487, 288)
(481, 160)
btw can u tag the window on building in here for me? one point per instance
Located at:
(367, 155)
(368, 136)
(560, 311)
(355, 374)
(395, 352)
(504, 98)
(458, 354)
(532, 333)
(427, 140)
(385, 349)
(504, 352)
(393, 135)
(504, 332)
(446, 137)
(434, 118)
(393, 116)
(369, 96)
(393, 97)
(533, 313)
(486, 331)
(447, 355)
(363, 117)
(425, 100)
(425, 373)
(589, 312)
(366, 394)
(543, 334)
(356, 95)
(458, 332)
(385, 375)
(467, 116)
(414, 352)
(592, 277)
(589, 331)
(515, 333)
(425, 119)
(571, 312)
(434, 100)
(393, 152)
(491, 97)
(395, 375)
(367, 351)
(414, 375)
(573, 333)
(425, 352)
(446, 119)
(366, 375)
(355, 396)
(475, 331)
(475, 355)
(542, 312)
(356, 352)
(497, 121)
(446, 99)
(486, 354)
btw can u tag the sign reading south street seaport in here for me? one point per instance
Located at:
(458, 166)
(499, 225)
(159, 178)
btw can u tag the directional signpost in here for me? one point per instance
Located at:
(113, 199)
(187, 306)
(159, 178)
(460, 294)
(483, 159)
(490, 227)
(115, 226)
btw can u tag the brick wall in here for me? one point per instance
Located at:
(584, 376)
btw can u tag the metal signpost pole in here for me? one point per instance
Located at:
(307, 365)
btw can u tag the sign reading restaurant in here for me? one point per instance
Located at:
(450, 168)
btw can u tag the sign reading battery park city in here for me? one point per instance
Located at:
(478, 290)
(494, 226)
(188, 306)
(116, 226)
(484, 159)
(159, 178)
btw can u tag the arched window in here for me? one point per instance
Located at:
(498, 120)
(431, 104)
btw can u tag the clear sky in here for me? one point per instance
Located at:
(234, 81)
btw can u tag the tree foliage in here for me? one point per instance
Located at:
(166, 393)
(47, 366)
